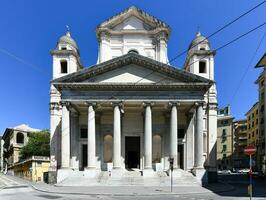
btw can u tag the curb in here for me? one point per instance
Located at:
(131, 194)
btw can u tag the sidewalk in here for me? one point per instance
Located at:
(131, 190)
(124, 190)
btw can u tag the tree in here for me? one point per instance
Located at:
(38, 145)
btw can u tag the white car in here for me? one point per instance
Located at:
(242, 171)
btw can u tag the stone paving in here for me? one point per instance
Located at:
(120, 190)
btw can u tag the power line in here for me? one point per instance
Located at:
(214, 33)
(220, 29)
(247, 68)
(223, 46)
(35, 67)
(217, 49)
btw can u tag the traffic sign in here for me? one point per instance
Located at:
(250, 150)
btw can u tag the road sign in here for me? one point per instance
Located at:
(250, 150)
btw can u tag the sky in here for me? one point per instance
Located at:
(30, 29)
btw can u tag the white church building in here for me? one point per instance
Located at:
(132, 110)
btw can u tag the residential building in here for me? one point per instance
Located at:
(253, 125)
(14, 139)
(240, 160)
(34, 168)
(132, 111)
(262, 116)
(225, 139)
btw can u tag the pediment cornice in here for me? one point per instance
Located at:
(128, 59)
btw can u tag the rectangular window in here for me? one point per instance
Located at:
(224, 147)
(202, 67)
(224, 132)
(83, 133)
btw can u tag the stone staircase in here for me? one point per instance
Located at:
(132, 178)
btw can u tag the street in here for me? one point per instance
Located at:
(19, 189)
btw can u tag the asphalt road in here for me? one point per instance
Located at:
(19, 190)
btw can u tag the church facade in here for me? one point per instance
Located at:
(132, 110)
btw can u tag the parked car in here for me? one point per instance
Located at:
(224, 171)
(243, 171)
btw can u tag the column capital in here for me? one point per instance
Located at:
(174, 103)
(91, 103)
(55, 106)
(148, 103)
(199, 103)
(65, 103)
(117, 103)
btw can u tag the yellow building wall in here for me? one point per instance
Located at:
(31, 170)
(253, 125)
(38, 168)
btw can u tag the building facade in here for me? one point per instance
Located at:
(225, 140)
(132, 110)
(14, 139)
(253, 131)
(262, 116)
(33, 169)
(240, 160)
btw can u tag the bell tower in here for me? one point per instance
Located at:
(200, 58)
(200, 61)
(66, 58)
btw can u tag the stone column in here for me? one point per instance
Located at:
(91, 137)
(116, 137)
(65, 136)
(148, 137)
(74, 140)
(199, 159)
(174, 134)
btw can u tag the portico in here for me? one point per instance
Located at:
(113, 118)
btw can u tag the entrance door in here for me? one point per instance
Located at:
(84, 156)
(132, 152)
(181, 155)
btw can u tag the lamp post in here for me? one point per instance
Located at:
(171, 164)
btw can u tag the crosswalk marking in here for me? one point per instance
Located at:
(7, 181)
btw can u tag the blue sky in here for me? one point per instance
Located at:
(30, 29)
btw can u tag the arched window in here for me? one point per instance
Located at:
(63, 64)
(156, 149)
(107, 148)
(20, 138)
(202, 67)
(133, 51)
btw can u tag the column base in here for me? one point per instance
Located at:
(201, 175)
(117, 172)
(177, 173)
(148, 172)
(91, 172)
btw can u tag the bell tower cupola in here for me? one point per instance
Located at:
(66, 57)
(200, 57)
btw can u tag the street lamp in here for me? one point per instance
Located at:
(171, 165)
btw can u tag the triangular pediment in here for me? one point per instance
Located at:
(132, 18)
(131, 73)
(132, 68)
(132, 23)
